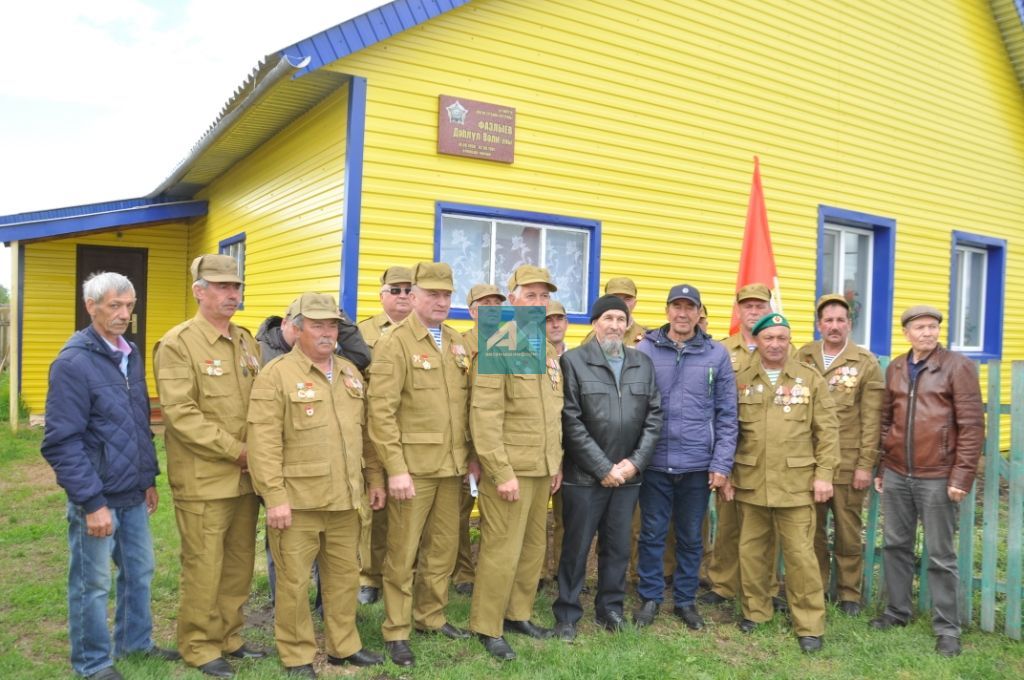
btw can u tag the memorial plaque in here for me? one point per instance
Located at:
(476, 129)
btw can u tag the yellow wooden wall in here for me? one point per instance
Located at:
(287, 198)
(51, 296)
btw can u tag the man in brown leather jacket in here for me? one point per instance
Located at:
(932, 434)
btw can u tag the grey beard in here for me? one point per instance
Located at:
(612, 348)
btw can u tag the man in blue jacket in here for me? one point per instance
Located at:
(693, 456)
(100, 446)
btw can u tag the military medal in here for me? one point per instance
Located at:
(421, 360)
(460, 356)
(305, 391)
(554, 373)
(309, 410)
(213, 367)
(352, 382)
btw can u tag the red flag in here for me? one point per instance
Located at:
(757, 261)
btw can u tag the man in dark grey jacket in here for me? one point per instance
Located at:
(611, 419)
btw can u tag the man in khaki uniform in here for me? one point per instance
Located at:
(418, 401)
(480, 295)
(204, 370)
(395, 286)
(557, 324)
(721, 565)
(306, 456)
(516, 422)
(855, 381)
(785, 460)
(623, 288)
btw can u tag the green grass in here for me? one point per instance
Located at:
(5, 401)
(33, 638)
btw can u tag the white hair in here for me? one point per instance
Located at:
(99, 284)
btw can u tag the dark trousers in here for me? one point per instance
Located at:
(904, 500)
(608, 512)
(666, 498)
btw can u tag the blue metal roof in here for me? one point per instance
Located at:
(96, 217)
(367, 29)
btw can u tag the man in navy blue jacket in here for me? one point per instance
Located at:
(100, 446)
(693, 456)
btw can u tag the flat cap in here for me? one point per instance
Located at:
(768, 321)
(917, 311)
(433, 276)
(831, 299)
(528, 273)
(555, 307)
(754, 291)
(216, 269)
(482, 290)
(316, 306)
(683, 292)
(393, 275)
(622, 285)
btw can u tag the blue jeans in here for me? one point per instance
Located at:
(131, 548)
(684, 499)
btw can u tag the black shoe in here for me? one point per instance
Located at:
(448, 630)
(362, 658)
(464, 589)
(611, 621)
(565, 631)
(947, 645)
(712, 598)
(400, 653)
(643, 615)
(218, 668)
(747, 626)
(527, 628)
(497, 647)
(301, 671)
(810, 643)
(247, 652)
(108, 673)
(688, 613)
(368, 595)
(886, 621)
(779, 604)
(850, 608)
(155, 652)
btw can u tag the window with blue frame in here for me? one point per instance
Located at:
(856, 254)
(976, 283)
(235, 247)
(485, 245)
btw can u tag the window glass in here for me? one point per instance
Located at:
(847, 263)
(466, 246)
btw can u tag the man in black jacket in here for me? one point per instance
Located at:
(611, 420)
(276, 337)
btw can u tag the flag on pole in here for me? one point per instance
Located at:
(757, 261)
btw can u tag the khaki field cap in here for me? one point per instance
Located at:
(528, 273)
(215, 269)
(621, 285)
(755, 291)
(555, 307)
(433, 276)
(831, 298)
(316, 306)
(917, 311)
(293, 308)
(482, 290)
(393, 275)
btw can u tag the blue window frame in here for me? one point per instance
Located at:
(856, 258)
(235, 247)
(977, 280)
(484, 245)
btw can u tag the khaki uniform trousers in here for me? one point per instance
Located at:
(330, 538)
(423, 541)
(795, 530)
(847, 504)
(218, 550)
(513, 537)
(373, 544)
(723, 559)
(464, 569)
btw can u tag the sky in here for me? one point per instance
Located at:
(100, 100)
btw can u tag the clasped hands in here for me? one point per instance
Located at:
(620, 473)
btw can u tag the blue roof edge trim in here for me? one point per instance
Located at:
(96, 217)
(1019, 4)
(365, 30)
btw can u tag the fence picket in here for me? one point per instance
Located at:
(1015, 507)
(990, 512)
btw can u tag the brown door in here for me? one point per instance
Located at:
(133, 263)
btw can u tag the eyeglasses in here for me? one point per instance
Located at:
(395, 290)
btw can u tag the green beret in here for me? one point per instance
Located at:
(769, 320)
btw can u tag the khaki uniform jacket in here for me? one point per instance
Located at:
(306, 435)
(471, 339)
(782, 447)
(634, 334)
(856, 384)
(739, 355)
(374, 328)
(418, 400)
(204, 380)
(516, 421)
